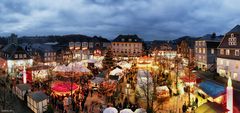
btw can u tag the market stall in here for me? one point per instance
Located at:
(38, 72)
(63, 87)
(110, 110)
(22, 89)
(162, 92)
(124, 65)
(140, 110)
(117, 71)
(37, 101)
(126, 111)
(96, 82)
(72, 69)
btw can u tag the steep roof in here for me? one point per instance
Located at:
(188, 39)
(236, 33)
(236, 29)
(209, 37)
(127, 38)
(23, 87)
(38, 96)
(12, 49)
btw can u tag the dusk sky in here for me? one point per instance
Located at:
(150, 19)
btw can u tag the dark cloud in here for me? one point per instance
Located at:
(150, 19)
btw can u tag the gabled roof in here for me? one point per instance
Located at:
(12, 49)
(42, 47)
(225, 41)
(38, 96)
(236, 29)
(209, 37)
(23, 87)
(127, 38)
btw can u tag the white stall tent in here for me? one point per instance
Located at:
(140, 110)
(124, 65)
(38, 101)
(110, 110)
(116, 72)
(126, 111)
(21, 90)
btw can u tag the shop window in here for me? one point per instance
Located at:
(212, 51)
(16, 56)
(236, 52)
(235, 75)
(227, 52)
(222, 51)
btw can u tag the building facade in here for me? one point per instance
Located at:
(185, 50)
(14, 58)
(206, 52)
(228, 60)
(127, 46)
(89, 48)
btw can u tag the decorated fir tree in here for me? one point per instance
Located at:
(108, 60)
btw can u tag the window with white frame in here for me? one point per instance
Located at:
(200, 50)
(222, 51)
(20, 56)
(203, 43)
(227, 52)
(236, 52)
(232, 40)
(203, 50)
(16, 56)
(91, 44)
(212, 51)
(235, 75)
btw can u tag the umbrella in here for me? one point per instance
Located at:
(110, 110)
(140, 110)
(126, 111)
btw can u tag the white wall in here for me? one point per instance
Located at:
(226, 67)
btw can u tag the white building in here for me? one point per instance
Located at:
(127, 46)
(228, 60)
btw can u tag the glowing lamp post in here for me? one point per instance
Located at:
(24, 75)
(230, 96)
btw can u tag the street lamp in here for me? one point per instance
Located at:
(128, 91)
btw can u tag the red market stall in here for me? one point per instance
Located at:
(37, 73)
(63, 88)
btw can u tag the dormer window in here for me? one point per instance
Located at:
(130, 40)
(122, 39)
(232, 40)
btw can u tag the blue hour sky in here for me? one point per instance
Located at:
(150, 19)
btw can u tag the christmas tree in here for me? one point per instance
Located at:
(108, 60)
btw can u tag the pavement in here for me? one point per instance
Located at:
(223, 81)
(13, 102)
